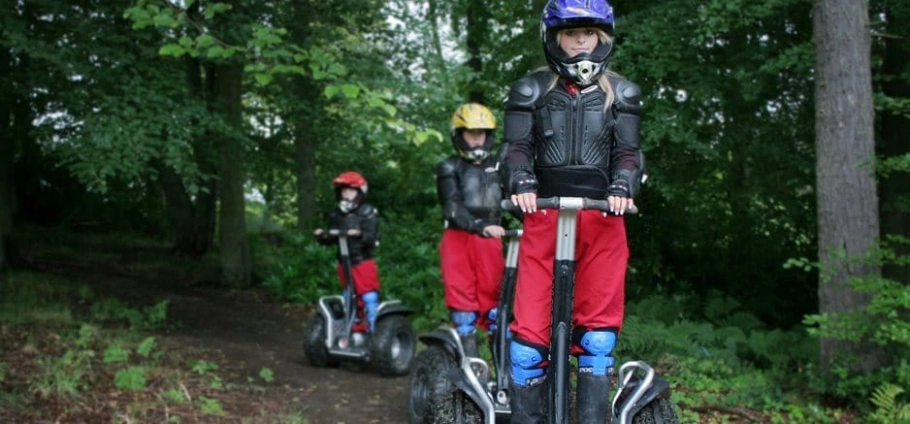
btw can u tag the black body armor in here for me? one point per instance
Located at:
(469, 193)
(366, 219)
(578, 147)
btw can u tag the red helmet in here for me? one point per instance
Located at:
(353, 180)
(350, 179)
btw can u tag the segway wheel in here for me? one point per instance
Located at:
(450, 405)
(430, 365)
(393, 346)
(658, 411)
(314, 333)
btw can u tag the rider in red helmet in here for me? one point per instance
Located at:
(360, 222)
(573, 131)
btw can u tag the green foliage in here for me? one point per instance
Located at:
(145, 347)
(303, 270)
(210, 406)
(267, 375)
(883, 322)
(64, 376)
(115, 354)
(202, 367)
(153, 317)
(176, 396)
(21, 294)
(888, 408)
(131, 378)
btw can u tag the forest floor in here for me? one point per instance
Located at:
(242, 332)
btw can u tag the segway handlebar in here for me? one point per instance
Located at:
(577, 203)
(513, 233)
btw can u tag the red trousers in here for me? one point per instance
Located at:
(471, 268)
(601, 253)
(366, 276)
(366, 279)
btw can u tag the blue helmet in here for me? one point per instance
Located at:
(583, 69)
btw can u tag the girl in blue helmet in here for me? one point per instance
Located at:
(573, 130)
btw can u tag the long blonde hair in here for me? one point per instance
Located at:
(603, 81)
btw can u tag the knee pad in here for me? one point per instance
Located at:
(598, 346)
(528, 366)
(371, 305)
(491, 318)
(464, 322)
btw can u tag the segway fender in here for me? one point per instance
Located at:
(443, 339)
(393, 307)
(659, 389)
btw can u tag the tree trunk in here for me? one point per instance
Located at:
(848, 225)
(193, 221)
(893, 136)
(302, 126)
(477, 27)
(6, 158)
(305, 152)
(236, 269)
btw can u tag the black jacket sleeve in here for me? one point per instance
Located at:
(369, 224)
(627, 163)
(325, 239)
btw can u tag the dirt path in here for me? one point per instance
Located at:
(247, 334)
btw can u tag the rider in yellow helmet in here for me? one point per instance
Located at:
(471, 248)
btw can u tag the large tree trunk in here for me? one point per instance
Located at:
(6, 158)
(848, 225)
(236, 267)
(893, 136)
(477, 28)
(305, 150)
(301, 123)
(193, 221)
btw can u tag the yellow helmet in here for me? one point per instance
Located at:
(473, 116)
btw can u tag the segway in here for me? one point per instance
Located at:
(328, 337)
(448, 386)
(641, 396)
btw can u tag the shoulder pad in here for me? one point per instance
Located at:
(526, 91)
(367, 210)
(628, 93)
(446, 167)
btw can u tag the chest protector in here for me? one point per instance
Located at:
(469, 193)
(572, 142)
(480, 190)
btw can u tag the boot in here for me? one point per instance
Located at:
(528, 403)
(592, 398)
(469, 342)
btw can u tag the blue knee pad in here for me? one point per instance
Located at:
(526, 362)
(371, 306)
(464, 322)
(598, 345)
(491, 317)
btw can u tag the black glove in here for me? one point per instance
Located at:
(619, 188)
(524, 182)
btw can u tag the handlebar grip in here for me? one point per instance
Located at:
(514, 233)
(557, 203)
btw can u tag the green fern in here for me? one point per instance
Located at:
(889, 409)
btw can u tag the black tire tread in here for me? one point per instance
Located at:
(388, 329)
(314, 343)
